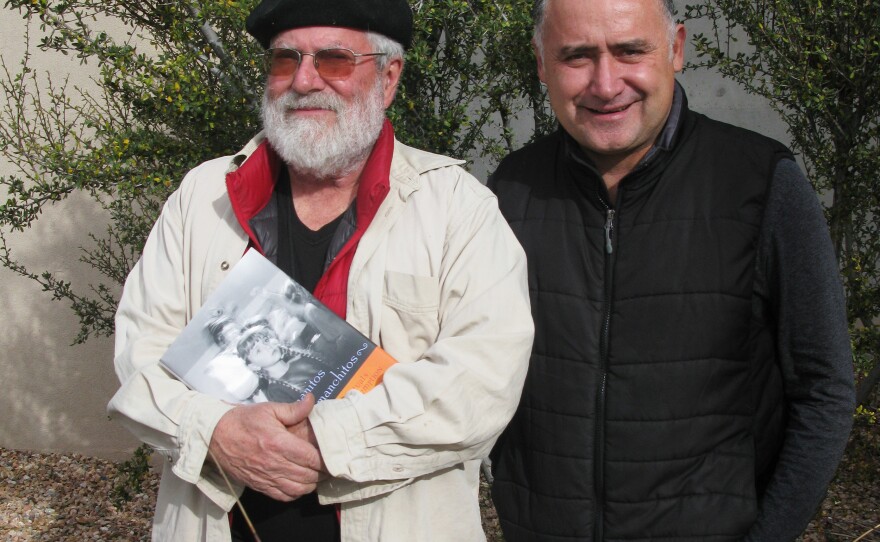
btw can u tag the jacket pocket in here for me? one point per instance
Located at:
(410, 319)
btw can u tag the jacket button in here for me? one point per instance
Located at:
(224, 266)
(397, 468)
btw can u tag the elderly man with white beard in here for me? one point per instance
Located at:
(404, 244)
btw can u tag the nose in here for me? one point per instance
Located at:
(606, 82)
(306, 78)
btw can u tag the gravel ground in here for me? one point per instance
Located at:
(52, 497)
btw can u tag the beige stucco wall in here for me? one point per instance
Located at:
(55, 394)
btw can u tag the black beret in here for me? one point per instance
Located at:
(392, 18)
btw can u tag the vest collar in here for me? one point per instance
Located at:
(662, 149)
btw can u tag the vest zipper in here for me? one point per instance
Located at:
(609, 230)
(599, 453)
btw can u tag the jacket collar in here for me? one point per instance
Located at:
(409, 164)
(251, 178)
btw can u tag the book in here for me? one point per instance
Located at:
(261, 336)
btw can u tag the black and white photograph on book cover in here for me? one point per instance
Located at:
(261, 337)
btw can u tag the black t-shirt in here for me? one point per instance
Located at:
(277, 521)
(301, 254)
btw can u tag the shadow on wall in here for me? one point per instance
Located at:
(55, 394)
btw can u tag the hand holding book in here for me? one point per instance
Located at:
(264, 341)
(269, 447)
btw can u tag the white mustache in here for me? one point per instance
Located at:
(292, 100)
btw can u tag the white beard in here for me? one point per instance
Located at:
(310, 146)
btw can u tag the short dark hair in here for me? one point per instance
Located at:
(250, 336)
(540, 9)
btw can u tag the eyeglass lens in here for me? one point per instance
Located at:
(329, 63)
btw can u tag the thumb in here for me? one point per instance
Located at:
(293, 413)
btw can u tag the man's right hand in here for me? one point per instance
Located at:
(253, 444)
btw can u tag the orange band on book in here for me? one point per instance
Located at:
(369, 374)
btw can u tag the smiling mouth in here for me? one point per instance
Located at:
(608, 111)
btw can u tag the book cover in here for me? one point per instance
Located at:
(260, 336)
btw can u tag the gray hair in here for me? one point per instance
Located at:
(383, 44)
(541, 8)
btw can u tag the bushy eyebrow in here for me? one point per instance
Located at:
(586, 50)
(590, 50)
(636, 44)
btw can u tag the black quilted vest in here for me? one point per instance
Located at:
(653, 404)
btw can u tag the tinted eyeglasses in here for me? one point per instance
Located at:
(331, 64)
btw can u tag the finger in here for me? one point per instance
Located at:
(254, 447)
(288, 479)
(293, 413)
(264, 474)
(301, 452)
(292, 481)
(284, 490)
(282, 449)
(287, 493)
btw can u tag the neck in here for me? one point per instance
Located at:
(614, 168)
(320, 201)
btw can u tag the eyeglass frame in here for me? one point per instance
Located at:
(268, 55)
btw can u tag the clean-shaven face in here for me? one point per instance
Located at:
(609, 67)
(264, 352)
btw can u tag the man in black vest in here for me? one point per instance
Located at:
(691, 377)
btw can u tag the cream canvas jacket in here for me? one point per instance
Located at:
(438, 280)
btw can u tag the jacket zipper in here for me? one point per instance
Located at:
(599, 453)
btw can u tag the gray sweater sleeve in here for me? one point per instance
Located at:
(804, 296)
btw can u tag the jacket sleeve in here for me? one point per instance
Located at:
(806, 298)
(159, 409)
(450, 405)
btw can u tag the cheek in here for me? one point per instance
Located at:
(566, 84)
(258, 355)
(649, 80)
(276, 86)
